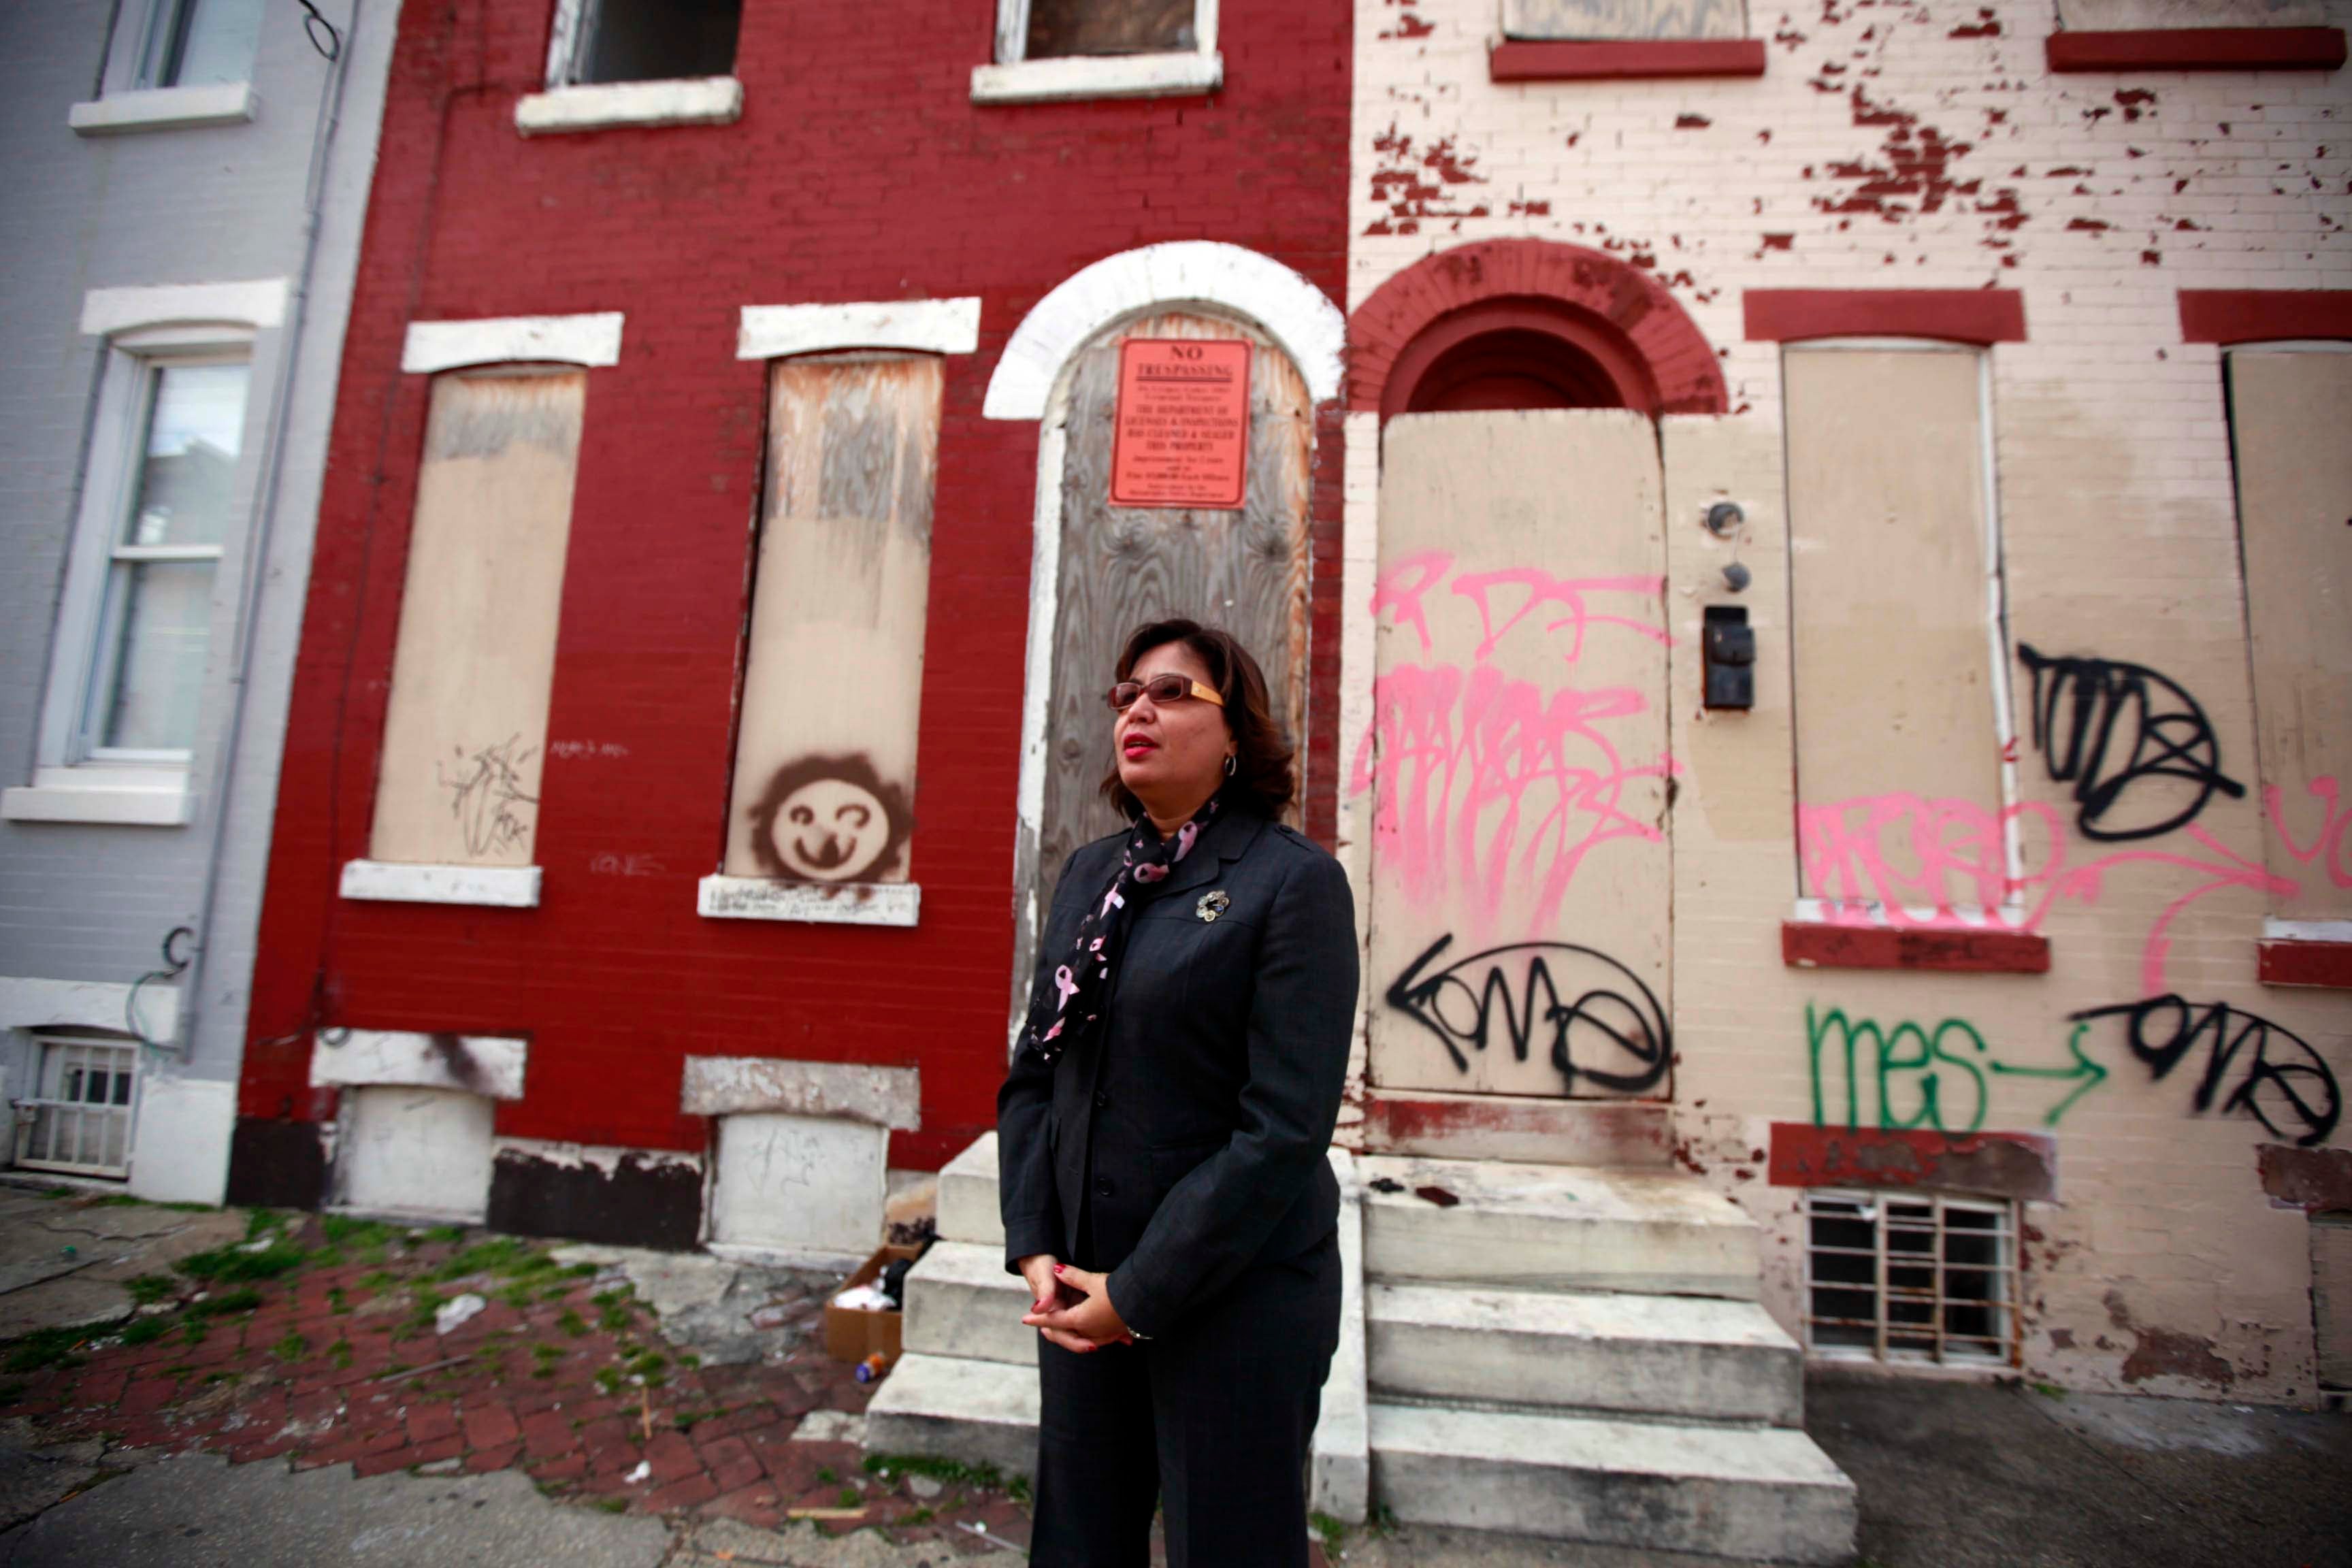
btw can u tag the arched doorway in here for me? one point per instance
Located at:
(1517, 772)
(1100, 569)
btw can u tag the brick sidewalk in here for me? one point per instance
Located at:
(561, 1373)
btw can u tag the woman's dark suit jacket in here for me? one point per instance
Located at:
(1191, 1126)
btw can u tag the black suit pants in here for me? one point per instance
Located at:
(1213, 1419)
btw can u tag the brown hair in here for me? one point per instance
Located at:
(1262, 755)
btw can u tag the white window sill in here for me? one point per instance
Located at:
(709, 100)
(165, 108)
(54, 799)
(507, 887)
(1101, 76)
(2307, 931)
(818, 903)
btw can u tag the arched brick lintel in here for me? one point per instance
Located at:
(1679, 359)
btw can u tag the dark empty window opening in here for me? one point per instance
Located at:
(655, 40)
(1063, 28)
(1513, 368)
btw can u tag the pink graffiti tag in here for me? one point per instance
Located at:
(1485, 779)
(2331, 844)
(1907, 861)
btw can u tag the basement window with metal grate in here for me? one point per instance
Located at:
(1911, 1277)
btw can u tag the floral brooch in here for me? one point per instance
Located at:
(1215, 902)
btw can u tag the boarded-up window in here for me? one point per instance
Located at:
(1599, 19)
(1896, 734)
(467, 732)
(1108, 27)
(824, 758)
(2134, 15)
(2291, 420)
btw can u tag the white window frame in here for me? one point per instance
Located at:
(569, 104)
(29, 1107)
(2011, 913)
(130, 102)
(2011, 1267)
(1016, 79)
(73, 779)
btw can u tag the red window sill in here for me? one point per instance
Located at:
(1810, 944)
(1523, 59)
(2198, 50)
(2326, 965)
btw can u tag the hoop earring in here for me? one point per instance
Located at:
(1229, 763)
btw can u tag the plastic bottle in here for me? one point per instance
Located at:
(872, 1367)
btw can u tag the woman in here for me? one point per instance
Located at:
(1162, 1129)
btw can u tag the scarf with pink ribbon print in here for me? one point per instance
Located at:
(1073, 1004)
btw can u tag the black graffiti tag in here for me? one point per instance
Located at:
(1514, 986)
(2297, 1094)
(2115, 730)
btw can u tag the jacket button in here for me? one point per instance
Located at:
(1102, 1187)
(1102, 1097)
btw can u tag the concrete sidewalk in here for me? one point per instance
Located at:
(595, 1407)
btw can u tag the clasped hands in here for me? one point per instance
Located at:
(1072, 1306)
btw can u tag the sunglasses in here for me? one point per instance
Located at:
(1162, 690)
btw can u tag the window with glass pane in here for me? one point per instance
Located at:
(148, 671)
(192, 43)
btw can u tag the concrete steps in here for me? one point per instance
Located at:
(1555, 1227)
(1757, 1493)
(962, 1303)
(955, 1407)
(966, 1388)
(1651, 1355)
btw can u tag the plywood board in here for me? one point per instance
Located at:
(825, 756)
(1243, 570)
(466, 726)
(2291, 416)
(1598, 19)
(2131, 16)
(1891, 615)
(1517, 757)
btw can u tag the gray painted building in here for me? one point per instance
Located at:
(185, 182)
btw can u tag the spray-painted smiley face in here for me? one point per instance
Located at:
(830, 819)
(830, 830)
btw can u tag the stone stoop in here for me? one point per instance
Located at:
(1577, 1352)
(966, 1387)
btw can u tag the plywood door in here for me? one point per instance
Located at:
(1517, 757)
(1244, 571)
(2292, 417)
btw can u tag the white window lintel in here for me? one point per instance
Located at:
(257, 302)
(602, 106)
(588, 339)
(934, 326)
(489, 1065)
(507, 887)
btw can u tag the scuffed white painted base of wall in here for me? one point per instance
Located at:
(181, 1152)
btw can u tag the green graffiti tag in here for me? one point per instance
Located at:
(1921, 1076)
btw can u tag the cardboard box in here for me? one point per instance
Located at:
(852, 1334)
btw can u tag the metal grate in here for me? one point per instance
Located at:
(1911, 1278)
(80, 1119)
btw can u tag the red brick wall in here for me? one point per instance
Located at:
(860, 170)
